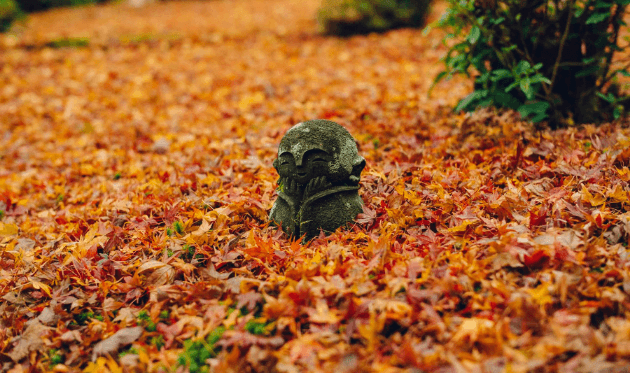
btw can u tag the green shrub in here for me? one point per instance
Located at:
(348, 17)
(549, 59)
(9, 12)
(36, 5)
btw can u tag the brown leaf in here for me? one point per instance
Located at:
(245, 339)
(504, 260)
(48, 317)
(115, 342)
(160, 273)
(15, 298)
(32, 339)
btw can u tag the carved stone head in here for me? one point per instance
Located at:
(320, 168)
(319, 148)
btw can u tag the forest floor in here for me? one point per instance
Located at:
(136, 179)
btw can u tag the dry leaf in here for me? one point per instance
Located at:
(136, 180)
(114, 343)
(31, 339)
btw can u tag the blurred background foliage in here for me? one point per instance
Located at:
(335, 17)
(37, 5)
(12, 10)
(349, 17)
(550, 60)
(9, 12)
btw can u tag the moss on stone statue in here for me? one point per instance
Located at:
(318, 189)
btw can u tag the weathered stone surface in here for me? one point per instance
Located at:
(318, 189)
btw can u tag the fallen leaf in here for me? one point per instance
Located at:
(31, 339)
(8, 229)
(118, 340)
(160, 273)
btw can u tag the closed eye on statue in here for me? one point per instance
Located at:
(316, 156)
(285, 159)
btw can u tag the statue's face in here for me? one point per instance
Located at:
(312, 164)
(318, 148)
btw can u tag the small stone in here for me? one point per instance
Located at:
(139, 3)
(161, 146)
(130, 360)
(60, 368)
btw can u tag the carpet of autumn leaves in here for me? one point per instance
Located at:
(136, 182)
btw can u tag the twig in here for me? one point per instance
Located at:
(562, 42)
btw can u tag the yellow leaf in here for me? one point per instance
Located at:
(315, 261)
(541, 294)
(624, 173)
(87, 169)
(323, 315)
(113, 366)
(96, 367)
(103, 365)
(618, 194)
(41, 286)
(371, 331)
(250, 100)
(203, 229)
(462, 227)
(593, 200)
(400, 188)
(181, 265)
(143, 356)
(471, 329)
(8, 229)
(221, 92)
(208, 180)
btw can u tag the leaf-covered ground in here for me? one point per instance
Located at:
(136, 180)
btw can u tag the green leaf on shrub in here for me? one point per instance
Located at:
(610, 98)
(527, 88)
(597, 18)
(522, 67)
(506, 100)
(441, 76)
(539, 79)
(474, 35)
(587, 72)
(501, 74)
(509, 49)
(511, 86)
(467, 102)
(537, 109)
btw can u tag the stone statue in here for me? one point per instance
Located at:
(320, 168)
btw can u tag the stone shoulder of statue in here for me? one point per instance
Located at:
(319, 170)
